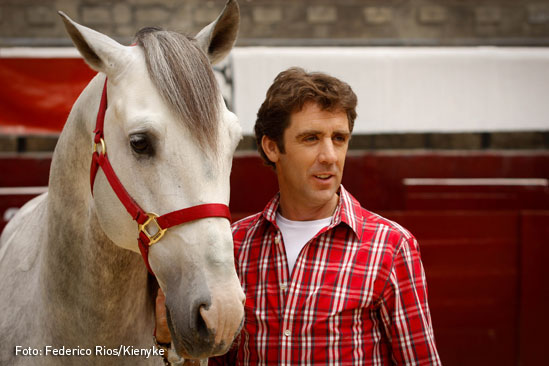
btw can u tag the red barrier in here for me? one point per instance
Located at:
(49, 85)
(534, 286)
(476, 194)
(376, 179)
(488, 283)
(471, 263)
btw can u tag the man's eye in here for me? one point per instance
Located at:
(310, 138)
(140, 143)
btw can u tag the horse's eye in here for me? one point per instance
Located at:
(140, 143)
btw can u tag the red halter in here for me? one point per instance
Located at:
(162, 223)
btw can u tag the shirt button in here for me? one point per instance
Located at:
(277, 239)
(283, 287)
(287, 332)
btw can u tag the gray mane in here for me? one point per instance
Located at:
(184, 78)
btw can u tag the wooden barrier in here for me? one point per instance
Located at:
(471, 262)
(23, 177)
(377, 179)
(534, 287)
(476, 194)
(484, 243)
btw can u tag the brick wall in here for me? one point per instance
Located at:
(292, 22)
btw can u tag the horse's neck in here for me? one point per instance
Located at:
(86, 277)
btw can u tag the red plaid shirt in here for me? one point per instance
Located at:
(357, 294)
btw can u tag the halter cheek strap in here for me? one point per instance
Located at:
(151, 226)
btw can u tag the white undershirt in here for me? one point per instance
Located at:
(296, 234)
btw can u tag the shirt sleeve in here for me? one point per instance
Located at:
(405, 311)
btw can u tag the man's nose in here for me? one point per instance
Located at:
(327, 152)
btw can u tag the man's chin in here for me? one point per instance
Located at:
(324, 197)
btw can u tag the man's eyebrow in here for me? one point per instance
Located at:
(318, 132)
(342, 132)
(308, 133)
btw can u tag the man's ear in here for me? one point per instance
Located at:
(270, 148)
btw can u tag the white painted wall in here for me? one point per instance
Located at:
(413, 89)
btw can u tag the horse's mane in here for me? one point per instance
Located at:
(183, 76)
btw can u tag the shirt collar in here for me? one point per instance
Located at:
(348, 211)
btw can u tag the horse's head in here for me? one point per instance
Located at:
(170, 140)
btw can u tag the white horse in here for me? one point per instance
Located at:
(73, 288)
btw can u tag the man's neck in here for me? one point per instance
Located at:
(296, 211)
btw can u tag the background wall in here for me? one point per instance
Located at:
(412, 89)
(291, 22)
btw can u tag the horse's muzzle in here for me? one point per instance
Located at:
(208, 329)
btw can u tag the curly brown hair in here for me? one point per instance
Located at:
(290, 90)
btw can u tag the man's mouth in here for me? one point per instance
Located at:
(323, 176)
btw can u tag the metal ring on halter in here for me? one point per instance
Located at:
(153, 238)
(103, 146)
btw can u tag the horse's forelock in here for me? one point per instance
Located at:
(183, 76)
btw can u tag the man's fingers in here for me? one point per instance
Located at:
(191, 363)
(162, 330)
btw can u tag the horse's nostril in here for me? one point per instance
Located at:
(201, 326)
(201, 320)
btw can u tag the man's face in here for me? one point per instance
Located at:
(310, 170)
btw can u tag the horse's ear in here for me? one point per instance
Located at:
(217, 38)
(99, 51)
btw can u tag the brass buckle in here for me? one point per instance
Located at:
(153, 238)
(103, 146)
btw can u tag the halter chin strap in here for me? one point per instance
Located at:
(151, 226)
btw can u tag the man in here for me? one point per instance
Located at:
(326, 281)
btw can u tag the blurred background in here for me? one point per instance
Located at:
(451, 138)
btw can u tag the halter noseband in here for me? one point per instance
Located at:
(143, 219)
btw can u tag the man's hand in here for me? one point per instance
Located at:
(162, 330)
